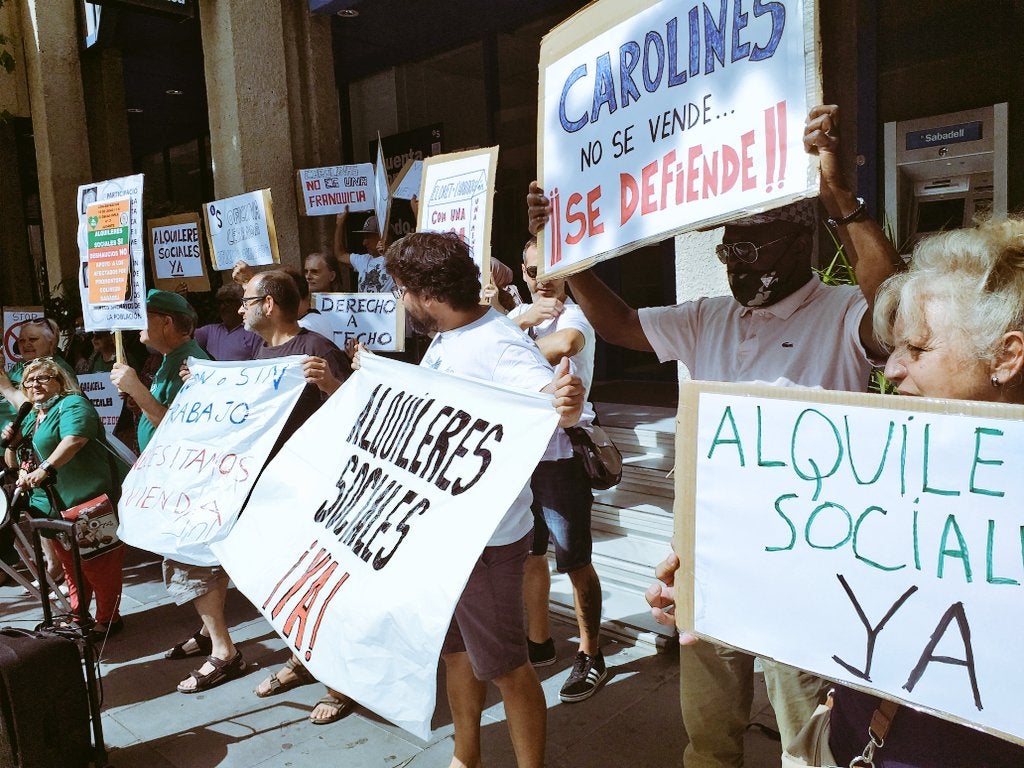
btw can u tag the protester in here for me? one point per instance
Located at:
(270, 309)
(439, 285)
(322, 273)
(955, 325)
(228, 339)
(64, 443)
(561, 493)
(372, 273)
(780, 325)
(170, 320)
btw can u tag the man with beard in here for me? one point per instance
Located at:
(439, 285)
(782, 326)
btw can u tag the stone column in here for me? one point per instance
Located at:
(272, 104)
(107, 113)
(50, 46)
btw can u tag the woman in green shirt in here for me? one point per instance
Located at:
(65, 443)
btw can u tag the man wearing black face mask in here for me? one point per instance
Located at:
(781, 326)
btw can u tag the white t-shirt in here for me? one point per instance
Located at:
(809, 339)
(494, 349)
(373, 277)
(572, 317)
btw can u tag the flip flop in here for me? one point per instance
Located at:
(223, 671)
(204, 646)
(274, 684)
(340, 708)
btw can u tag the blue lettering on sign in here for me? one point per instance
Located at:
(948, 134)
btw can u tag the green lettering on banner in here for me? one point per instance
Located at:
(989, 577)
(760, 461)
(735, 440)
(925, 487)
(960, 552)
(978, 460)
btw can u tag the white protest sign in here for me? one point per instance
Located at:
(111, 277)
(242, 228)
(872, 540)
(407, 183)
(14, 318)
(456, 193)
(188, 486)
(326, 191)
(381, 196)
(176, 252)
(392, 490)
(376, 320)
(652, 121)
(104, 396)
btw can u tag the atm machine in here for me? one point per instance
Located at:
(940, 171)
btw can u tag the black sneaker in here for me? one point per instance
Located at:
(588, 672)
(542, 654)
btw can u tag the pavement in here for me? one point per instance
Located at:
(632, 722)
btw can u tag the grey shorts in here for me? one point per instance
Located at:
(186, 582)
(489, 621)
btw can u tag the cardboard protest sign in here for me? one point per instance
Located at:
(376, 320)
(381, 196)
(326, 191)
(652, 122)
(104, 396)
(112, 275)
(189, 484)
(872, 540)
(346, 545)
(14, 318)
(242, 228)
(176, 253)
(406, 185)
(456, 193)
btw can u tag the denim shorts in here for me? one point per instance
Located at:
(561, 510)
(186, 582)
(489, 623)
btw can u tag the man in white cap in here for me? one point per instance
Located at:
(781, 325)
(369, 266)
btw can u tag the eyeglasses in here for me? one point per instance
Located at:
(399, 291)
(744, 252)
(247, 300)
(38, 381)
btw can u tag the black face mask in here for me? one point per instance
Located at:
(769, 280)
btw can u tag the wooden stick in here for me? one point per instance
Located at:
(118, 348)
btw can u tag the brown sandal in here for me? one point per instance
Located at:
(223, 671)
(340, 708)
(275, 684)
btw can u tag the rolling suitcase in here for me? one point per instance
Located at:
(46, 702)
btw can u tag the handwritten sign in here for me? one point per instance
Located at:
(189, 484)
(326, 191)
(376, 320)
(242, 228)
(406, 185)
(653, 121)
(14, 318)
(104, 396)
(890, 527)
(456, 194)
(111, 277)
(381, 191)
(361, 576)
(176, 253)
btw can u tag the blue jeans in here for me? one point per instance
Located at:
(561, 510)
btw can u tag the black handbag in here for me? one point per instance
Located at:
(601, 459)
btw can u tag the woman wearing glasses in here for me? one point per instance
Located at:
(63, 442)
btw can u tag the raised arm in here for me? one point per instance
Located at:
(341, 251)
(613, 320)
(870, 253)
(127, 380)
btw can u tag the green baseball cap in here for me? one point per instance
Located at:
(169, 303)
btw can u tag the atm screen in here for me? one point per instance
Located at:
(935, 215)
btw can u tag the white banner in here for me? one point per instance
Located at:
(241, 228)
(111, 276)
(360, 535)
(376, 320)
(873, 540)
(653, 120)
(326, 191)
(188, 486)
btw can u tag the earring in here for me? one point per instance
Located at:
(996, 382)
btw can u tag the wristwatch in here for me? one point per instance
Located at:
(856, 213)
(48, 468)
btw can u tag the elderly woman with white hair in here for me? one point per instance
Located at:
(955, 324)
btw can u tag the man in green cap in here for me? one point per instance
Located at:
(170, 321)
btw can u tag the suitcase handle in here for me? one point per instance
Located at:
(66, 527)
